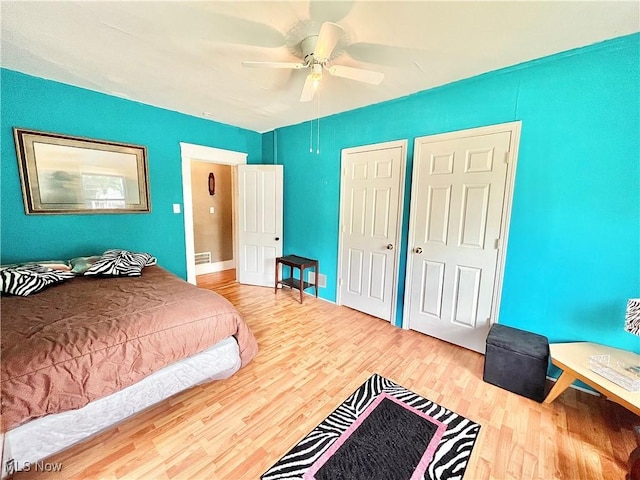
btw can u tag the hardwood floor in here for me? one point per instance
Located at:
(217, 279)
(312, 356)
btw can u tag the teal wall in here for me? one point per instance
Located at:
(574, 246)
(38, 104)
(573, 255)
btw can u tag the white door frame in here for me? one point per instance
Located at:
(403, 167)
(201, 153)
(514, 128)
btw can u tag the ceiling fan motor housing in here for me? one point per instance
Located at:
(308, 45)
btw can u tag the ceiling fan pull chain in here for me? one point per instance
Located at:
(311, 136)
(318, 120)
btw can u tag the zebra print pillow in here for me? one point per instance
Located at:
(632, 322)
(27, 279)
(121, 263)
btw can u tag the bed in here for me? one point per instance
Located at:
(82, 355)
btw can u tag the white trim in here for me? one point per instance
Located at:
(211, 154)
(306, 292)
(514, 128)
(201, 153)
(403, 144)
(321, 298)
(214, 267)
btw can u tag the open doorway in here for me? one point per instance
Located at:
(209, 219)
(212, 209)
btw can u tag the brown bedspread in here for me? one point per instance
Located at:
(88, 337)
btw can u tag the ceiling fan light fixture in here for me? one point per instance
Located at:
(316, 52)
(316, 75)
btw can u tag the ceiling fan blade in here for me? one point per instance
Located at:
(328, 38)
(308, 91)
(367, 76)
(294, 66)
(329, 11)
(385, 54)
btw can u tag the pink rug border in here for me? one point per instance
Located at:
(424, 461)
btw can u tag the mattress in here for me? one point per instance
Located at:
(40, 438)
(86, 338)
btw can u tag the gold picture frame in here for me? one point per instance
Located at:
(63, 174)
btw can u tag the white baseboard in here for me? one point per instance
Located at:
(312, 294)
(215, 267)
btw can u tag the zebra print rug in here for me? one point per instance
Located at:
(382, 428)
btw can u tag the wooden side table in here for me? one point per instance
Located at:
(573, 359)
(301, 263)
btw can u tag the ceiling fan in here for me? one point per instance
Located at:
(316, 52)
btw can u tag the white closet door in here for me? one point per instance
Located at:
(454, 265)
(371, 211)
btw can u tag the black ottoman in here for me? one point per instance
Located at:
(517, 360)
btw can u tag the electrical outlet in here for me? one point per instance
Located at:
(176, 208)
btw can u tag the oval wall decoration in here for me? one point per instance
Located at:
(212, 184)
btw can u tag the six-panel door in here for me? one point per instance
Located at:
(456, 207)
(370, 213)
(260, 222)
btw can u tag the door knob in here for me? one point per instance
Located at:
(390, 246)
(418, 250)
(277, 238)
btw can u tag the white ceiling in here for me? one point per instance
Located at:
(186, 56)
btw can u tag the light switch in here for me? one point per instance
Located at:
(176, 208)
(212, 210)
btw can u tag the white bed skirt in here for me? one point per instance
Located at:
(27, 445)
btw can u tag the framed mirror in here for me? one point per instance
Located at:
(61, 174)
